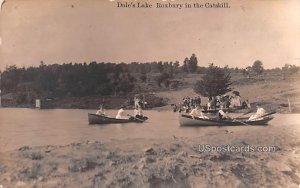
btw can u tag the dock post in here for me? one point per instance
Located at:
(290, 109)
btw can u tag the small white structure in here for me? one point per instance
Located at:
(37, 103)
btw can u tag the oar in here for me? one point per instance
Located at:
(244, 113)
(240, 122)
(235, 119)
(267, 114)
(270, 113)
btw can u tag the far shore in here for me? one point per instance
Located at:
(272, 91)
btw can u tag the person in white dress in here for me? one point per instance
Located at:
(197, 112)
(121, 114)
(259, 112)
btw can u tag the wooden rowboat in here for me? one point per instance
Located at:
(187, 120)
(99, 119)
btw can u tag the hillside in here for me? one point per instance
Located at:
(270, 89)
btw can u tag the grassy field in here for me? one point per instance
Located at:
(270, 89)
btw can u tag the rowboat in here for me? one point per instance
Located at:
(100, 119)
(188, 120)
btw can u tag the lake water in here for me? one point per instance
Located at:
(31, 127)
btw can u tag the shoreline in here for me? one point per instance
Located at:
(163, 108)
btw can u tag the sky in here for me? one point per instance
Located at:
(64, 31)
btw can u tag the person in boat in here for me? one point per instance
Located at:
(246, 104)
(100, 111)
(222, 115)
(121, 113)
(138, 113)
(197, 112)
(259, 113)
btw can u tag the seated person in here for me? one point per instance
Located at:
(121, 114)
(222, 115)
(246, 104)
(197, 112)
(100, 111)
(138, 113)
(259, 112)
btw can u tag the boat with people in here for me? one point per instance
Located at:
(122, 117)
(189, 120)
(102, 119)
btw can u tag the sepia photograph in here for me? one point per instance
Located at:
(149, 93)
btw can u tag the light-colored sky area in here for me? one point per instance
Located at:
(63, 31)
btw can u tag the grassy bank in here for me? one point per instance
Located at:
(270, 89)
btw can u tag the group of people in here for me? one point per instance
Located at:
(188, 103)
(226, 101)
(222, 115)
(215, 102)
(137, 113)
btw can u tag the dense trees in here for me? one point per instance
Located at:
(193, 63)
(82, 79)
(288, 69)
(257, 67)
(214, 82)
(190, 65)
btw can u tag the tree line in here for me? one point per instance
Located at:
(80, 79)
(94, 78)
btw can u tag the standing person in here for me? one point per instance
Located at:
(209, 103)
(100, 111)
(259, 112)
(226, 102)
(121, 113)
(198, 100)
(213, 102)
(236, 101)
